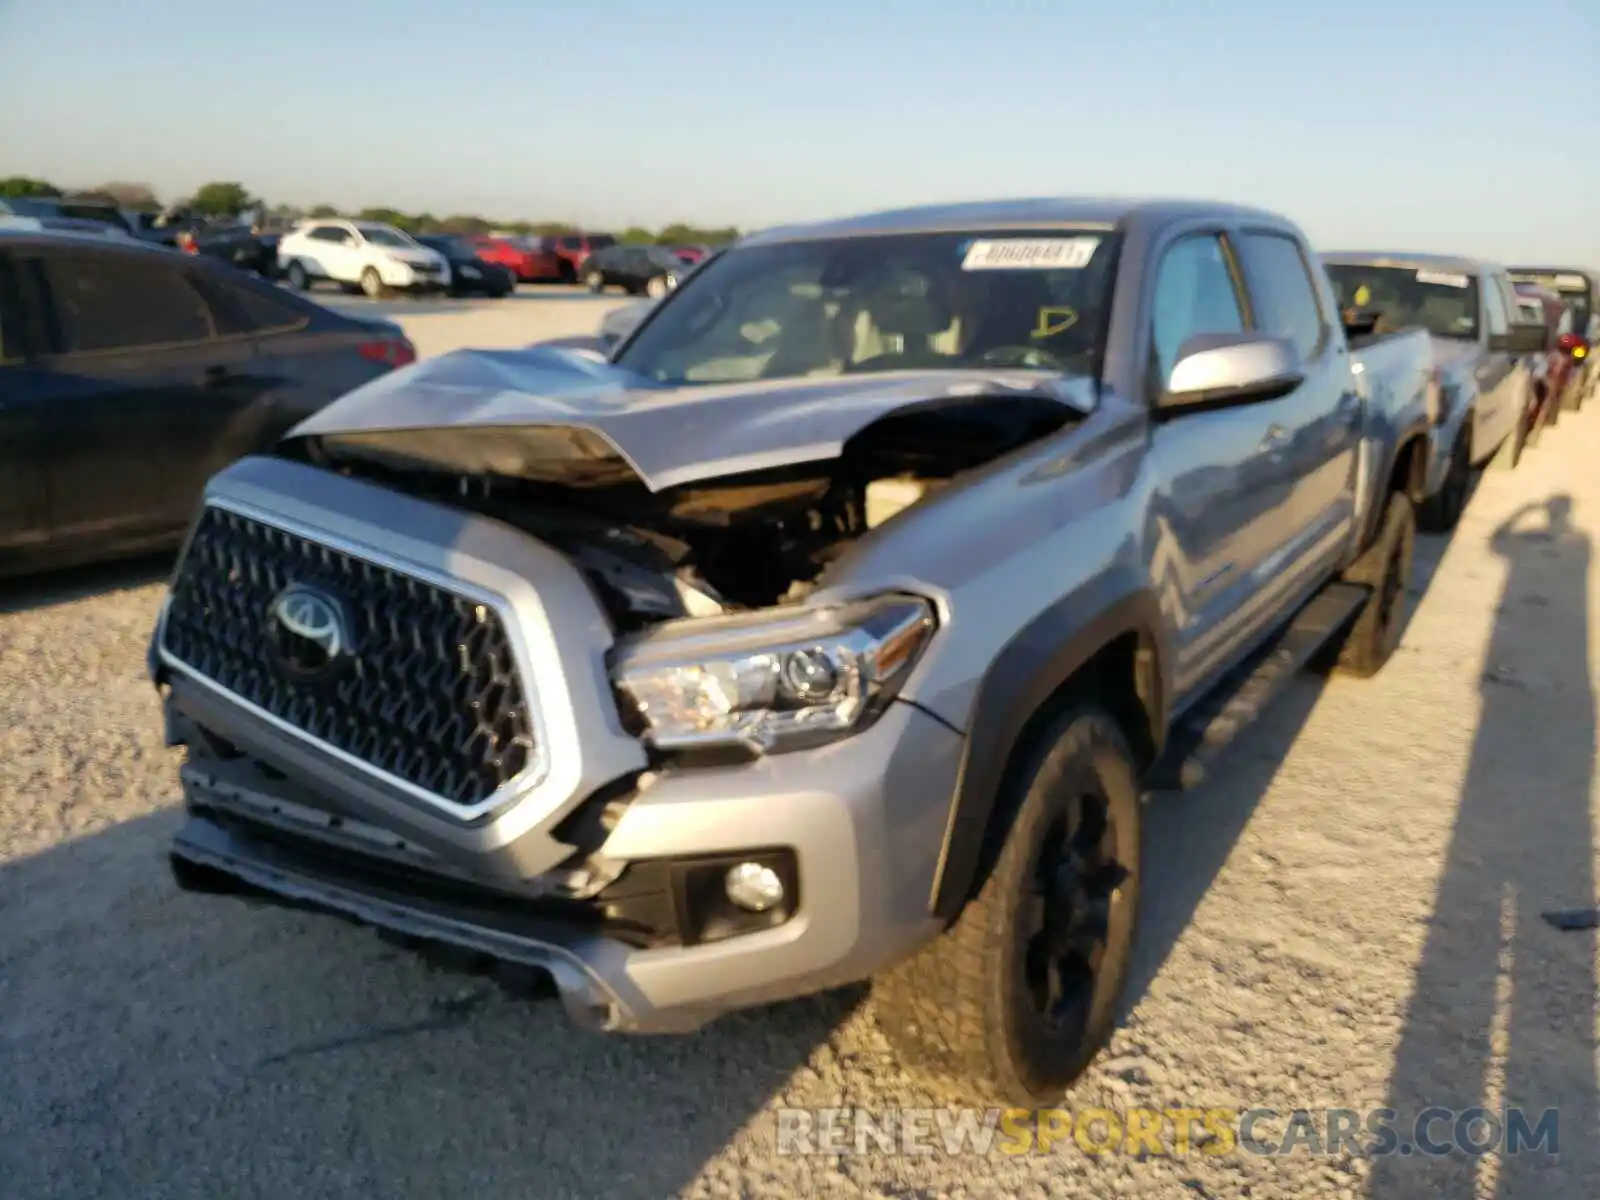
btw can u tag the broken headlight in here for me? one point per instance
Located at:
(770, 681)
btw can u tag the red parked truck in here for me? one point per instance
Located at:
(1579, 290)
(1556, 371)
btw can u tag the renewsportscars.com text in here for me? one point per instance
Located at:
(1214, 1132)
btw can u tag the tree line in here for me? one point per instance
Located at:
(229, 198)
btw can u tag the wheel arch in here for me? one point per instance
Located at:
(1111, 650)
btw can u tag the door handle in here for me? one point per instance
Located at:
(215, 376)
(1274, 439)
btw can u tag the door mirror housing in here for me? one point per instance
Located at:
(1215, 370)
(1521, 339)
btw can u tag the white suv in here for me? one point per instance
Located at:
(376, 258)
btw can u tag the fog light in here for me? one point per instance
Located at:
(753, 887)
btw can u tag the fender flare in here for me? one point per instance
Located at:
(1031, 668)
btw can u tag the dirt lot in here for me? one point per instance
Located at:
(1348, 917)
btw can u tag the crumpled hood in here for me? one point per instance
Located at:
(668, 435)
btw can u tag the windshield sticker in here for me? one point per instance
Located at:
(1443, 279)
(1030, 254)
(1363, 294)
(1572, 281)
(1054, 320)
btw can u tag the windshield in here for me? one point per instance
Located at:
(383, 235)
(950, 301)
(1445, 303)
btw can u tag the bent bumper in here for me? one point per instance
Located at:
(862, 820)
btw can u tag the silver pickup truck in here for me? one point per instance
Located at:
(830, 629)
(1483, 356)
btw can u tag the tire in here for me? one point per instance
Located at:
(656, 287)
(595, 282)
(1441, 512)
(1385, 567)
(967, 1011)
(372, 284)
(297, 277)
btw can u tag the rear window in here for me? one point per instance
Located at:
(600, 240)
(94, 212)
(243, 309)
(1443, 302)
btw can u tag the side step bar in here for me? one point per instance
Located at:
(1212, 725)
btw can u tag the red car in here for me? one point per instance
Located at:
(571, 249)
(1579, 291)
(1558, 371)
(519, 255)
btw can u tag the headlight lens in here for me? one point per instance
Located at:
(771, 681)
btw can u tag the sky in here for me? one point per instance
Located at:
(1469, 127)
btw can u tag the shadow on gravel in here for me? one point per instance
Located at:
(23, 593)
(155, 1043)
(1496, 984)
(1189, 835)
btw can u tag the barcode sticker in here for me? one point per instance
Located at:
(1030, 254)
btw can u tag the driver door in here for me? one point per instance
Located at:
(1219, 503)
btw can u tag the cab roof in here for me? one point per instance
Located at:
(1065, 212)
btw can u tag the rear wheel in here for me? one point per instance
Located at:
(1017, 997)
(1386, 569)
(656, 287)
(298, 279)
(1441, 512)
(595, 282)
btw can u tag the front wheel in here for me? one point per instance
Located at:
(656, 287)
(1018, 996)
(1386, 569)
(372, 283)
(595, 282)
(298, 279)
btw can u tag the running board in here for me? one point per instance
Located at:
(1212, 725)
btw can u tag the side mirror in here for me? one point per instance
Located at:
(1521, 339)
(1217, 369)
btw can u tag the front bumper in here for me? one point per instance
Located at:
(860, 822)
(308, 822)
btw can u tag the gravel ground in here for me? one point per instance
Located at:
(1348, 918)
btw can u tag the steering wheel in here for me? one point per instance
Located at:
(1020, 356)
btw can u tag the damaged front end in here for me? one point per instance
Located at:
(691, 502)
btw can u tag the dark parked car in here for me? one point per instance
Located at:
(129, 374)
(470, 275)
(638, 270)
(239, 245)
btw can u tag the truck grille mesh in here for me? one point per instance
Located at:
(428, 692)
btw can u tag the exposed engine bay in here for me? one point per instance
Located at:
(740, 541)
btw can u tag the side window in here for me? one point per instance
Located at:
(1282, 295)
(1194, 293)
(122, 301)
(571, 243)
(1494, 305)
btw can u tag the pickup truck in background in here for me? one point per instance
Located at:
(1580, 292)
(1483, 358)
(829, 629)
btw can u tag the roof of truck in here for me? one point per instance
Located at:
(1443, 262)
(1073, 212)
